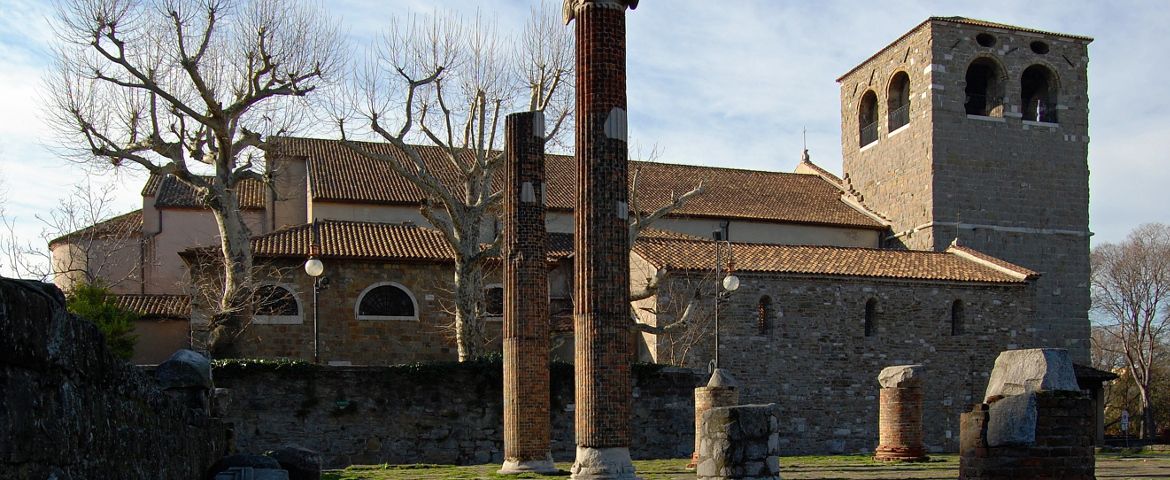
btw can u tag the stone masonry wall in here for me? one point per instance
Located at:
(345, 338)
(1008, 187)
(443, 413)
(70, 410)
(818, 366)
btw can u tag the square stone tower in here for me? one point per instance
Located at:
(976, 131)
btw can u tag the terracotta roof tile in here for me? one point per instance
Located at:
(173, 193)
(125, 225)
(1010, 268)
(339, 174)
(373, 241)
(815, 260)
(156, 306)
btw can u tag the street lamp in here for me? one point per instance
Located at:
(315, 268)
(729, 283)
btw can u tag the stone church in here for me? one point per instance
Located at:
(958, 229)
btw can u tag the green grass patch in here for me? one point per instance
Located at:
(667, 469)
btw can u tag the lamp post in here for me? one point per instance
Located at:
(315, 268)
(730, 283)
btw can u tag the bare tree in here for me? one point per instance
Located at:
(1131, 289)
(88, 242)
(447, 83)
(175, 86)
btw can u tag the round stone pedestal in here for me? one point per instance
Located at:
(603, 464)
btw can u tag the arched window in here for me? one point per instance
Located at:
(493, 300)
(867, 118)
(275, 304)
(957, 317)
(1038, 94)
(764, 315)
(871, 317)
(387, 301)
(985, 88)
(898, 101)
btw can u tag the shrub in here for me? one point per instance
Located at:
(93, 302)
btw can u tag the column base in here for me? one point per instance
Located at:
(603, 464)
(514, 467)
(900, 454)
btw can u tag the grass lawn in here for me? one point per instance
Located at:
(1116, 465)
(669, 469)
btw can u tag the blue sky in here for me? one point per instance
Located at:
(717, 83)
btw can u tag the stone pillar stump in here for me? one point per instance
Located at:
(900, 435)
(721, 391)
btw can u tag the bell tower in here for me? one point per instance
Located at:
(977, 132)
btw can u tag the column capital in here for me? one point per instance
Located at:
(571, 6)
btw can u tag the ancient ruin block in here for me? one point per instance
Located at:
(1033, 424)
(721, 391)
(900, 414)
(740, 442)
(525, 329)
(602, 351)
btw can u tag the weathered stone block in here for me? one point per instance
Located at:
(901, 376)
(185, 368)
(1021, 371)
(739, 442)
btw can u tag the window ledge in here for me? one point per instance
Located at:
(1033, 123)
(388, 317)
(868, 146)
(278, 320)
(986, 118)
(898, 130)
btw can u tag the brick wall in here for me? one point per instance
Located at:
(441, 413)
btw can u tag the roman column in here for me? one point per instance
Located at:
(601, 247)
(525, 335)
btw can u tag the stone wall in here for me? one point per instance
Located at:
(443, 413)
(1011, 188)
(345, 338)
(819, 367)
(70, 410)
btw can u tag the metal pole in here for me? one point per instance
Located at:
(718, 257)
(316, 345)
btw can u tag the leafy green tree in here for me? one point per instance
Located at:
(93, 302)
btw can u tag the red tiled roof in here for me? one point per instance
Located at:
(369, 240)
(124, 226)
(340, 174)
(156, 306)
(173, 193)
(815, 260)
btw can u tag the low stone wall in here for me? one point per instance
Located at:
(446, 413)
(70, 410)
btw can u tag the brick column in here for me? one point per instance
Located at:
(900, 415)
(525, 335)
(720, 391)
(601, 247)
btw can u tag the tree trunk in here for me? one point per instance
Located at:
(228, 320)
(469, 335)
(1149, 430)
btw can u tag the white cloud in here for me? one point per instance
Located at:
(734, 83)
